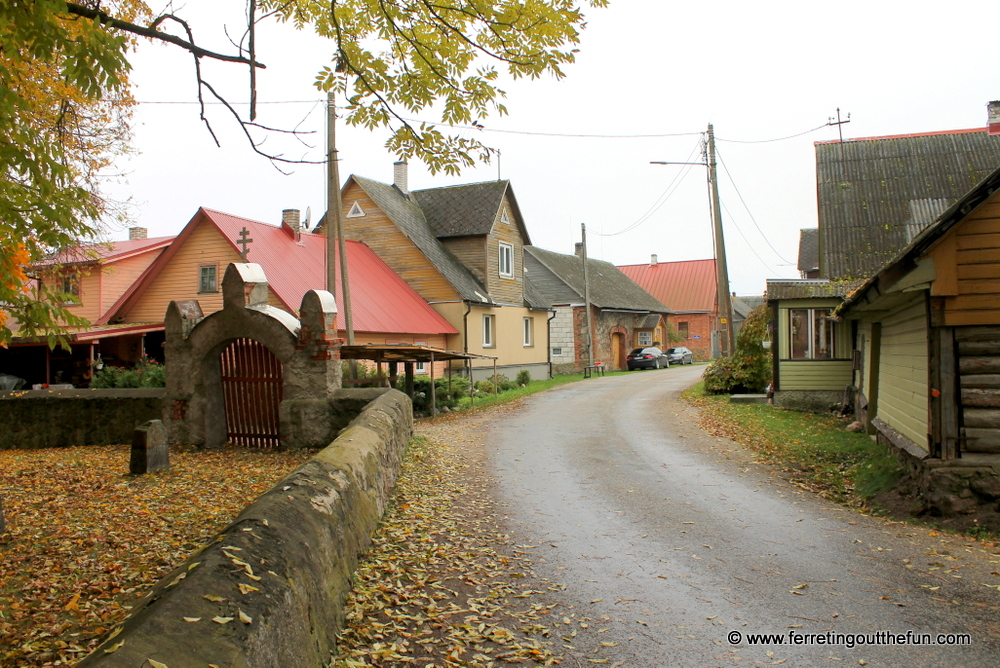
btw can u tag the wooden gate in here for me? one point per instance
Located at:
(251, 389)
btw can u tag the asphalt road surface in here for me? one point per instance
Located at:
(674, 546)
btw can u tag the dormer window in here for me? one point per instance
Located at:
(506, 260)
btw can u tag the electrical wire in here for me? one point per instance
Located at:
(754, 220)
(661, 200)
(733, 219)
(765, 141)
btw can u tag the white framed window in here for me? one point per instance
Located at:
(811, 334)
(420, 367)
(645, 339)
(529, 332)
(489, 335)
(506, 260)
(557, 351)
(208, 279)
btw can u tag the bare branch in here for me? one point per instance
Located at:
(153, 33)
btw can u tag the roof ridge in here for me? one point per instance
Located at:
(903, 136)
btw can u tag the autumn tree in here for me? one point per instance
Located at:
(62, 116)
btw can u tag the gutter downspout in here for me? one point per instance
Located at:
(548, 341)
(465, 336)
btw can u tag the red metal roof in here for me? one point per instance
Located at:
(109, 252)
(382, 301)
(683, 287)
(904, 136)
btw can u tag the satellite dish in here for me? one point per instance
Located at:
(305, 225)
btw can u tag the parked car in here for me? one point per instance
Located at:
(680, 355)
(647, 358)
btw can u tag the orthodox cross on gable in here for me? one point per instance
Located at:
(244, 241)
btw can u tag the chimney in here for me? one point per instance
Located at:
(400, 178)
(290, 222)
(578, 249)
(652, 260)
(993, 117)
(137, 233)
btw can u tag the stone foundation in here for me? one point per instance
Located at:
(808, 401)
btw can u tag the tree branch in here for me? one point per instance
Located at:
(153, 33)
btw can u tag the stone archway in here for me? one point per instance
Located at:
(307, 351)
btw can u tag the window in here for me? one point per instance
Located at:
(356, 211)
(529, 327)
(811, 334)
(506, 260)
(70, 284)
(557, 351)
(420, 367)
(488, 334)
(682, 329)
(645, 339)
(503, 217)
(206, 279)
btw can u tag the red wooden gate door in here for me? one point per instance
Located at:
(251, 389)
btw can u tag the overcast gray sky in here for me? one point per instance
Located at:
(757, 71)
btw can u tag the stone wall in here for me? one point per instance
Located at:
(809, 401)
(60, 418)
(562, 336)
(297, 545)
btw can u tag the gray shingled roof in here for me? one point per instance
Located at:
(410, 220)
(875, 195)
(609, 287)
(809, 289)
(458, 211)
(533, 297)
(809, 249)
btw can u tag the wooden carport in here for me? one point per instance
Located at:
(394, 353)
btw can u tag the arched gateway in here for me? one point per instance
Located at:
(251, 372)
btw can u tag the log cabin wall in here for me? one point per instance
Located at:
(376, 230)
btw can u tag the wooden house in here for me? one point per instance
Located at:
(875, 195)
(93, 277)
(688, 289)
(385, 309)
(927, 345)
(461, 248)
(623, 315)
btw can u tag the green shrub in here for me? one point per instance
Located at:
(146, 373)
(523, 377)
(444, 396)
(748, 369)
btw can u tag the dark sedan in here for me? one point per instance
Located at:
(680, 355)
(647, 358)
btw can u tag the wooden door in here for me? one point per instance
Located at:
(618, 350)
(251, 390)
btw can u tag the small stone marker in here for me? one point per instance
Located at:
(149, 448)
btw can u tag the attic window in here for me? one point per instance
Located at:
(503, 217)
(356, 211)
(506, 260)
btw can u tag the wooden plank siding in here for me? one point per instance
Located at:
(89, 279)
(903, 380)
(381, 235)
(179, 278)
(967, 263)
(503, 289)
(470, 251)
(814, 374)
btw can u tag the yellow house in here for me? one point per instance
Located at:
(462, 249)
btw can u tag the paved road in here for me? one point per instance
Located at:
(668, 539)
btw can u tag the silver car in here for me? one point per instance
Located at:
(680, 355)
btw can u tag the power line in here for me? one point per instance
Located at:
(765, 141)
(754, 220)
(660, 201)
(732, 218)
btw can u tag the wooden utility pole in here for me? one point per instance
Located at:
(334, 223)
(586, 297)
(725, 304)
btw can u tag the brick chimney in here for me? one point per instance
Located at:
(290, 222)
(652, 260)
(137, 233)
(400, 177)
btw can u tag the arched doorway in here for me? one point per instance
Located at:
(251, 392)
(618, 350)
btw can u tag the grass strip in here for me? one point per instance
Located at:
(814, 450)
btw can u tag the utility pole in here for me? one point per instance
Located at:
(334, 223)
(725, 304)
(586, 297)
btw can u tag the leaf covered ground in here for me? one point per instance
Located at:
(85, 539)
(443, 585)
